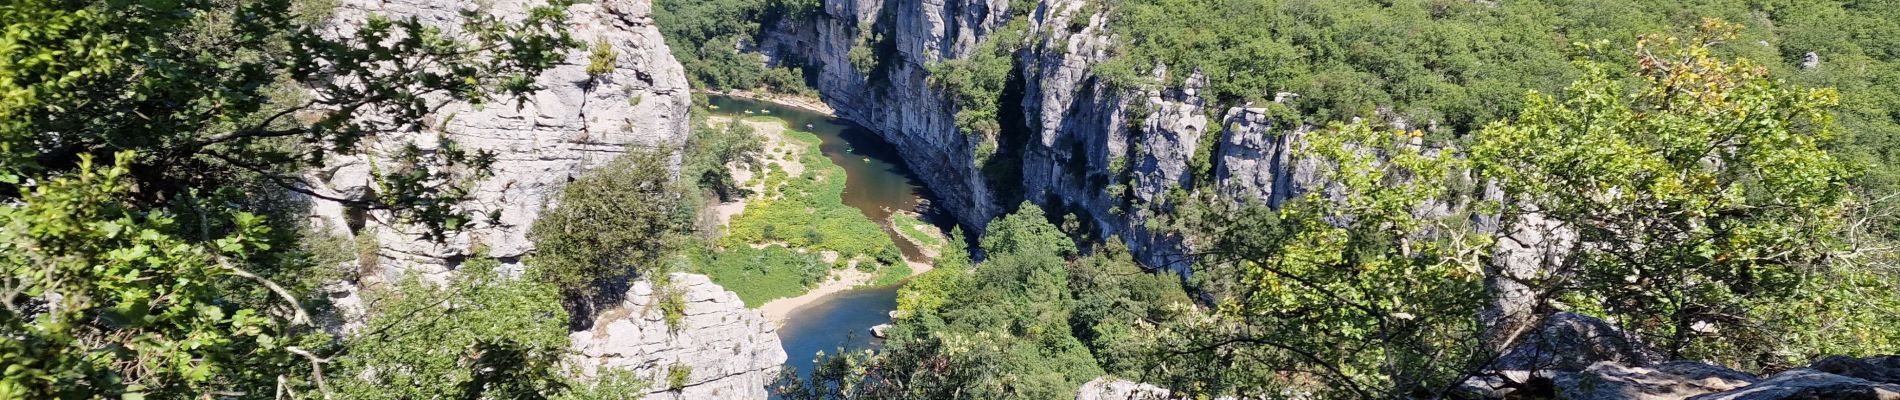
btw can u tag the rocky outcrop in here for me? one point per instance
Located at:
(1112, 157)
(1109, 156)
(894, 98)
(1562, 343)
(1118, 157)
(1668, 381)
(1809, 384)
(1885, 369)
(1106, 388)
(576, 122)
(725, 350)
(1257, 160)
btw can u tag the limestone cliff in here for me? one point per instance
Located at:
(893, 98)
(1116, 155)
(577, 122)
(574, 123)
(723, 349)
(1109, 155)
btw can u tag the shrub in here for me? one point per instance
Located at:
(623, 219)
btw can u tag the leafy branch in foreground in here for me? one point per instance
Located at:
(1702, 197)
(145, 148)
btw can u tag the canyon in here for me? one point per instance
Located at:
(1119, 159)
(1076, 129)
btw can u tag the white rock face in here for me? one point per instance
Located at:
(1106, 388)
(574, 123)
(732, 352)
(1115, 156)
(1090, 149)
(896, 100)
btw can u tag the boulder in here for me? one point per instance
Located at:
(1106, 388)
(1668, 381)
(728, 351)
(1563, 343)
(1809, 384)
(1883, 369)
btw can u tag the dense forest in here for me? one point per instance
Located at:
(1707, 182)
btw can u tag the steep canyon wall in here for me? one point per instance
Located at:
(1110, 156)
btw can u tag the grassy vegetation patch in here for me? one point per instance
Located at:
(797, 218)
(908, 225)
(808, 210)
(762, 275)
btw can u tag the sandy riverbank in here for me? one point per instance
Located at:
(841, 280)
(806, 103)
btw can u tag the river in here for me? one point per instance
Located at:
(877, 183)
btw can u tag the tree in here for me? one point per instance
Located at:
(145, 149)
(1368, 288)
(625, 219)
(481, 336)
(710, 151)
(1706, 212)
(1700, 192)
(1014, 326)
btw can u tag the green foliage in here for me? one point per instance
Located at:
(706, 36)
(927, 293)
(482, 335)
(760, 275)
(814, 201)
(366, 247)
(624, 219)
(892, 275)
(1847, 37)
(602, 60)
(907, 225)
(175, 268)
(710, 151)
(99, 291)
(672, 303)
(612, 384)
(1362, 294)
(677, 375)
(975, 83)
(1702, 195)
(1014, 327)
(1707, 212)
(1116, 301)
(1459, 65)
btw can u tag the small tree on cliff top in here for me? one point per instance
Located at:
(1701, 195)
(1705, 207)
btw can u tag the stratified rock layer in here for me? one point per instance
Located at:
(727, 350)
